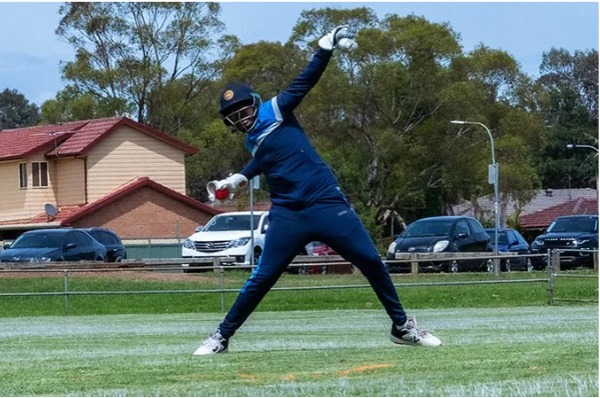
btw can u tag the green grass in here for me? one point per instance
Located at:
(413, 296)
(518, 351)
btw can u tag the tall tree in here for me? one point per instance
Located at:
(16, 111)
(568, 99)
(128, 54)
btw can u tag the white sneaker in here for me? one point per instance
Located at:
(215, 344)
(410, 334)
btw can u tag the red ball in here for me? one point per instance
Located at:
(222, 194)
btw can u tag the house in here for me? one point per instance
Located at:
(538, 213)
(111, 172)
(539, 220)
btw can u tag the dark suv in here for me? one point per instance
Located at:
(571, 233)
(440, 235)
(115, 249)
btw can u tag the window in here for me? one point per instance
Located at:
(39, 174)
(462, 228)
(22, 175)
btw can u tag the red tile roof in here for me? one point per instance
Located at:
(543, 218)
(72, 138)
(67, 214)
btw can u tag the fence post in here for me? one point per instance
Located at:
(217, 263)
(550, 269)
(414, 264)
(66, 291)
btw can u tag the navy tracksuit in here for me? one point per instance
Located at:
(307, 204)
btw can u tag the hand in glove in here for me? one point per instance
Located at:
(341, 37)
(222, 189)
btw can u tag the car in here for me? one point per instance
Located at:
(115, 249)
(571, 234)
(511, 241)
(230, 235)
(320, 249)
(442, 234)
(61, 244)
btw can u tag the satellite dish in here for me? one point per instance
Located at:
(50, 210)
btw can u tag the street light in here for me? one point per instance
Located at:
(573, 146)
(493, 179)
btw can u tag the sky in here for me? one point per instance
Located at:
(30, 51)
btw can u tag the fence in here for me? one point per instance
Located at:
(219, 264)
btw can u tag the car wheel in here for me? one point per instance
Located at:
(529, 265)
(507, 265)
(454, 266)
(489, 265)
(257, 253)
(118, 259)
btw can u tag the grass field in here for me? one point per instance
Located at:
(518, 351)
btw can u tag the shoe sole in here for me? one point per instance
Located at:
(400, 341)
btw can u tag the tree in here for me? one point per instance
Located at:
(568, 100)
(16, 111)
(129, 54)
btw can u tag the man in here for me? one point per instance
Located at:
(307, 203)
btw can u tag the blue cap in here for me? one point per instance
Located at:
(234, 94)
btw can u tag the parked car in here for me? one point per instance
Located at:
(63, 244)
(570, 233)
(444, 234)
(229, 235)
(320, 249)
(115, 249)
(511, 241)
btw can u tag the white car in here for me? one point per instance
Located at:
(230, 235)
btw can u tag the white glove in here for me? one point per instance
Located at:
(225, 187)
(341, 37)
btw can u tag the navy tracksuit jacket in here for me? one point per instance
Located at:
(307, 203)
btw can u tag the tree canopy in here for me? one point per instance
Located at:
(380, 115)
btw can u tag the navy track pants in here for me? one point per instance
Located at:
(336, 225)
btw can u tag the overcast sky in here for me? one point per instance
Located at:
(30, 51)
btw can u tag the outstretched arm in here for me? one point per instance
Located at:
(341, 36)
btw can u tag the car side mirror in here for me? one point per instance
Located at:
(6, 246)
(70, 246)
(198, 228)
(461, 235)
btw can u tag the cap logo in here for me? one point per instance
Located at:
(227, 95)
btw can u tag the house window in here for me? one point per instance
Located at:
(39, 174)
(22, 175)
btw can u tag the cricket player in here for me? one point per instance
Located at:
(307, 203)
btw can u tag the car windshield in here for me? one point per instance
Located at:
(428, 228)
(239, 222)
(38, 241)
(502, 237)
(574, 224)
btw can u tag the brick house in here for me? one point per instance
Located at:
(111, 172)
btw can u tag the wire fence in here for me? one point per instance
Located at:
(302, 263)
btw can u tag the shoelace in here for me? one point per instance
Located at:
(411, 325)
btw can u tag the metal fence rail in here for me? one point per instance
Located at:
(217, 264)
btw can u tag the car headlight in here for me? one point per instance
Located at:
(188, 244)
(581, 241)
(392, 247)
(440, 246)
(238, 242)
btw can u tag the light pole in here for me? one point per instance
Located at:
(492, 179)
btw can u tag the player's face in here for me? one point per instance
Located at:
(242, 119)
